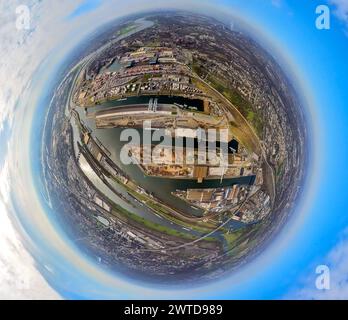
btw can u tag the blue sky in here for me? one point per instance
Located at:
(316, 234)
(86, 6)
(318, 58)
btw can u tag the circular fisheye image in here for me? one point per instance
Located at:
(173, 148)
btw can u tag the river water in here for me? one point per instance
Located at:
(159, 187)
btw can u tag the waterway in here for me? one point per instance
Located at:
(132, 206)
(184, 103)
(159, 187)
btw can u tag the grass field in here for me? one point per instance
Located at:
(243, 106)
(126, 29)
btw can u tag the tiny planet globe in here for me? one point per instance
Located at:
(173, 148)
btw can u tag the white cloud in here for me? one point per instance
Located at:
(22, 51)
(341, 9)
(19, 278)
(337, 261)
(277, 3)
